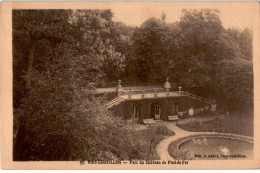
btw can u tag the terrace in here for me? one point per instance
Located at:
(147, 92)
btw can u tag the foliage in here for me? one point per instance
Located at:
(35, 34)
(162, 130)
(196, 52)
(149, 55)
(146, 141)
(240, 41)
(59, 117)
(42, 35)
(60, 56)
(235, 82)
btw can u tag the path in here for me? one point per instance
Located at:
(162, 147)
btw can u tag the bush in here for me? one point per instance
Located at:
(61, 120)
(145, 142)
(162, 130)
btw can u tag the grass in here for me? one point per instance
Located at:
(236, 124)
(149, 138)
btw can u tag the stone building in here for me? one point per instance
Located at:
(154, 103)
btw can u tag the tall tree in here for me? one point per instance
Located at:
(199, 48)
(235, 84)
(35, 33)
(59, 117)
(149, 55)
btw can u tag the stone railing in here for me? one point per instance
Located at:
(147, 95)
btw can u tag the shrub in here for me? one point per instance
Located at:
(60, 115)
(162, 130)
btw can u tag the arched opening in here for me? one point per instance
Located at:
(135, 113)
(156, 110)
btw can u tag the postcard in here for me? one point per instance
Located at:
(130, 85)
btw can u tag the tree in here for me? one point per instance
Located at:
(163, 16)
(35, 34)
(190, 52)
(60, 119)
(240, 42)
(149, 56)
(199, 47)
(121, 41)
(235, 83)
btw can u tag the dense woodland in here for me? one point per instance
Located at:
(59, 56)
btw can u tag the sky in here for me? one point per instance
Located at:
(235, 15)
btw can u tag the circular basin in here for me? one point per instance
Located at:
(215, 147)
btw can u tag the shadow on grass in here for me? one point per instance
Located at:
(233, 124)
(149, 138)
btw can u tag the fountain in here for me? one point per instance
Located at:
(221, 146)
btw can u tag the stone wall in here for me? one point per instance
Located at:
(145, 107)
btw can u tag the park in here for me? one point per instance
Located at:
(87, 86)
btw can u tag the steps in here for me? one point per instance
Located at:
(115, 101)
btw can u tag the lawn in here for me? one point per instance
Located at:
(236, 124)
(147, 140)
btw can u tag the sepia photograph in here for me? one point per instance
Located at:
(144, 85)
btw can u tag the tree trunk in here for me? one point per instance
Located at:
(30, 66)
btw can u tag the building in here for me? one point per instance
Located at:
(141, 104)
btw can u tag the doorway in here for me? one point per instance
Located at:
(135, 116)
(156, 111)
(157, 114)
